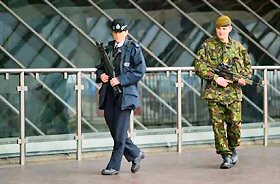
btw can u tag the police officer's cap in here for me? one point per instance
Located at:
(223, 21)
(119, 25)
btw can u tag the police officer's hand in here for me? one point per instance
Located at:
(104, 78)
(223, 82)
(241, 82)
(114, 81)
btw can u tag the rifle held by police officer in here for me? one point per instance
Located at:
(108, 66)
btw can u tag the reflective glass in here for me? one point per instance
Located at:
(9, 105)
(206, 18)
(93, 117)
(48, 111)
(28, 49)
(251, 25)
(58, 32)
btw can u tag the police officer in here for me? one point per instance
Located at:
(224, 96)
(129, 65)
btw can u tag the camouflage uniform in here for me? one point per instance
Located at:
(224, 103)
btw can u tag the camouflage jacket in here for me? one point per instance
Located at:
(213, 52)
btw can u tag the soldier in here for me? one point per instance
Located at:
(224, 96)
(129, 67)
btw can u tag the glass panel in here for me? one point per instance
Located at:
(6, 62)
(274, 103)
(9, 106)
(94, 121)
(206, 18)
(194, 108)
(25, 46)
(50, 119)
(58, 32)
(267, 10)
(159, 108)
(252, 26)
(157, 117)
(177, 24)
(48, 112)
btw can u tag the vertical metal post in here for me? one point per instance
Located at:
(131, 126)
(179, 111)
(22, 141)
(79, 87)
(265, 108)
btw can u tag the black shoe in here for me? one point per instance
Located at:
(234, 156)
(109, 172)
(227, 163)
(136, 162)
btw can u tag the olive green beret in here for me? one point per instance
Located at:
(223, 21)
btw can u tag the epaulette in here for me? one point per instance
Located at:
(133, 44)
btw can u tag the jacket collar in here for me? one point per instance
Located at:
(225, 44)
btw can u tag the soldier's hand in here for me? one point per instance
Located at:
(241, 82)
(114, 81)
(104, 78)
(223, 82)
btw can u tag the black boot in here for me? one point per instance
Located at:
(227, 163)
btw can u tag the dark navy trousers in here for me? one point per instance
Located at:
(118, 122)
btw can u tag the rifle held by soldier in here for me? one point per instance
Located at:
(225, 71)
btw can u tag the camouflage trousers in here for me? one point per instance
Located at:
(226, 138)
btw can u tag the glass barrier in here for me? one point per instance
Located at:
(158, 107)
(9, 104)
(273, 102)
(51, 120)
(252, 26)
(90, 110)
(51, 108)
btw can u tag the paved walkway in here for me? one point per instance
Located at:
(257, 165)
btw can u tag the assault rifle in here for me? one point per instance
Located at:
(225, 70)
(108, 66)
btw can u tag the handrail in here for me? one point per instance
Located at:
(259, 17)
(247, 36)
(149, 69)
(22, 140)
(91, 70)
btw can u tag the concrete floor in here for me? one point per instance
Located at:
(257, 165)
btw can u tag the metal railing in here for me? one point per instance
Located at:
(22, 89)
